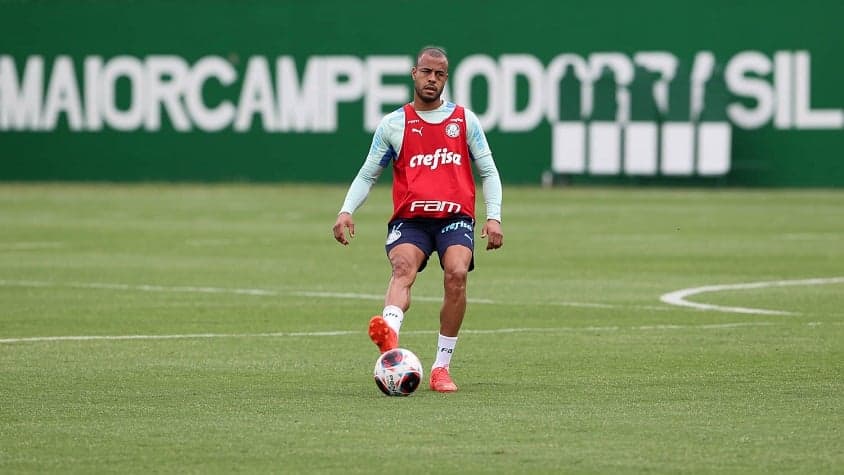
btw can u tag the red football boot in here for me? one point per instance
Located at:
(382, 335)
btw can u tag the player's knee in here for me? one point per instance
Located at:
(455, 279)
(403, 267)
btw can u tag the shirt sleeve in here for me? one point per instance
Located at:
(491, 183)
(485, 164)
(361, 186)
(476, 139)
(381, 152)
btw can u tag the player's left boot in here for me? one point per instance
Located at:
(382, 335)
(441, 381)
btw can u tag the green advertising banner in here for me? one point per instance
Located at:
(721, 92)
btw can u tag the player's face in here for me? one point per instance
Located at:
(429, 76)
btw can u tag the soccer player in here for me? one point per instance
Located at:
(432, 145)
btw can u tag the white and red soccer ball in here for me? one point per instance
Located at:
(398, 372)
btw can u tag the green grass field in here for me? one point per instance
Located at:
(220, 329)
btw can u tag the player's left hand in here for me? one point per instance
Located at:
(492, 231)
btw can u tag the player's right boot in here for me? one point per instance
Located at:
(382, 335)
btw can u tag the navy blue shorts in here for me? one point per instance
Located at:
(430, 234)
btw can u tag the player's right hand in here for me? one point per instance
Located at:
(344, 221)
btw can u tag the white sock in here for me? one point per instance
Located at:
(445, 348)
(393, 316)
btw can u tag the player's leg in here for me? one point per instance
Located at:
(408, 248)
(456, 261)
(405, 261)
(455, 245)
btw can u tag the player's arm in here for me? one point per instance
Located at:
(490, 180)
(361, 185)
(378, 157)
(355, 197)
(492, 196)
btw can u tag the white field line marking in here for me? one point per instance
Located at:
(811, 236)
(262, 292)
(47, 339)
(140, 287)
(678, 297)
(228, 242)
(302, 293)
(348, 295)
(186, 336)
(600, 305)
(314, 294)
(30, 245)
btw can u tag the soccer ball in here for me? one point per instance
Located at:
(398, 372)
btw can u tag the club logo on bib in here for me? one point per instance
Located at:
(452, 130)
